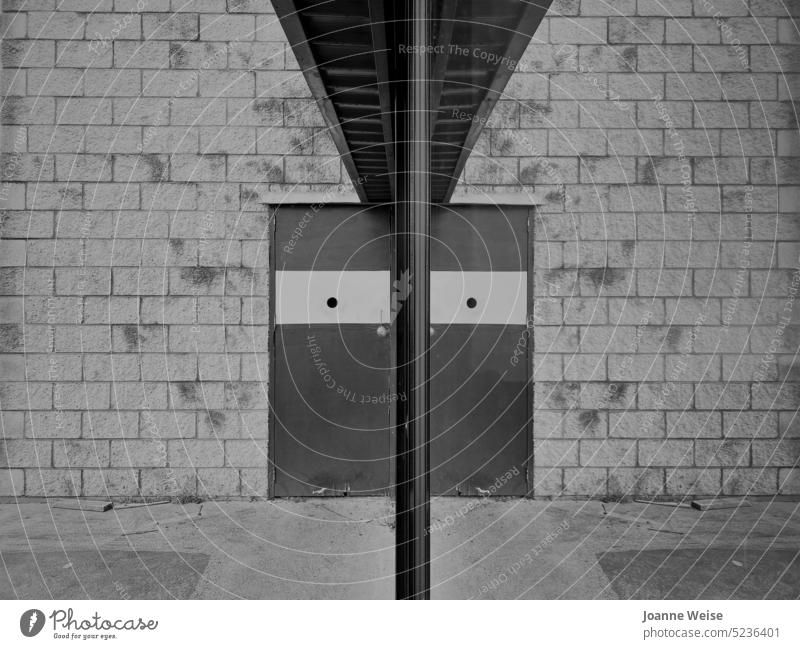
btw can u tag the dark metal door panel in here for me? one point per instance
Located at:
(479, 238)
(332, 411)
(481, 398)
(331, 392)
(479, 420)
(314, 237)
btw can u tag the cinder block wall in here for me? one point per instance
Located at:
(667, 256)
(141, 138)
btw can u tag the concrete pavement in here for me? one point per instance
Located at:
(343, 548)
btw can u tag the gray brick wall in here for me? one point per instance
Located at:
(140, 138)
(137, 138)
(666, 322)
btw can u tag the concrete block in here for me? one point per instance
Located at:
(666, 453)
(607, 453)
(52, 483)
(218, 482)
(110, 482)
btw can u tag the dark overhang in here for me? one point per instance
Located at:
(350, 53)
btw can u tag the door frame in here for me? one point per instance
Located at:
(528, 355)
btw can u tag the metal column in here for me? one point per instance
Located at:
(412, 554)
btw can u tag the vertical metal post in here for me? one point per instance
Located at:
(412, 554)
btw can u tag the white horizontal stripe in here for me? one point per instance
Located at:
(365, 297)
(301, 296)
(500, 297)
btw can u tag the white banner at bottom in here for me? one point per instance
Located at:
(354, 624)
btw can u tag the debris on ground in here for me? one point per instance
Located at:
(83, 505)
(665, 503)
(720, 503)
(144, 504)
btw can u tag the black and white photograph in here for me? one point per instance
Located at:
(334, 303)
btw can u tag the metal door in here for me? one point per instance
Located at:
(333, 383)
(332, 389)
(480, 388)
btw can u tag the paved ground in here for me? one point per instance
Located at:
(343, 548)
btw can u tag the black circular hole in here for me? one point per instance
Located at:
(332, 302)
(472, 303)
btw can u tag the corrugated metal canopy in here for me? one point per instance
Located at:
(351, 53)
